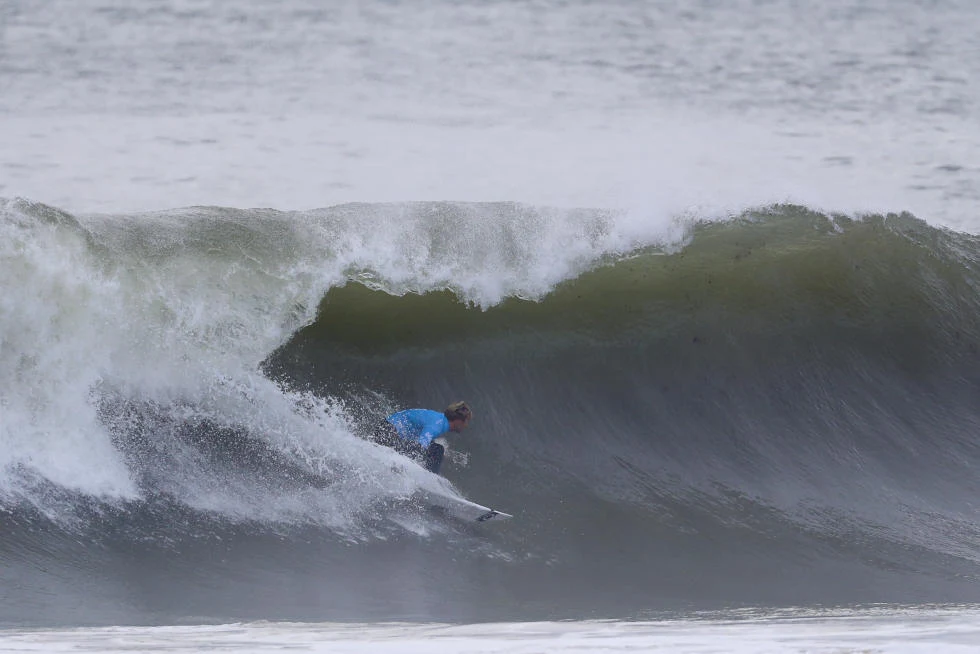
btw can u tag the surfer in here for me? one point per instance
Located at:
(413, 432)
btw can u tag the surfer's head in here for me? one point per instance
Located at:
(458, 414)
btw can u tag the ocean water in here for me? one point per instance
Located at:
(708, 273)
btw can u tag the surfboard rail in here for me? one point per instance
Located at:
(459, 507)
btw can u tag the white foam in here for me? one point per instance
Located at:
(58, 321)
(916, 631)
(155, 313)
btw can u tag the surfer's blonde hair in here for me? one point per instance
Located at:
(458, 411)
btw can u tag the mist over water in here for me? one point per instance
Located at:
(707, 275)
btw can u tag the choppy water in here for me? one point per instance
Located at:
(654, 106)
(714, 383)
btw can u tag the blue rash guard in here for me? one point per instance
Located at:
(420, 425)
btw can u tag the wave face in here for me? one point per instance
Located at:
(774, 408)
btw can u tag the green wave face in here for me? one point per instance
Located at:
(787, 356)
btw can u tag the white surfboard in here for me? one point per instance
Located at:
(448, 499)
(462, 508)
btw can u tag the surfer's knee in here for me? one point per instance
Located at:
(433, 457)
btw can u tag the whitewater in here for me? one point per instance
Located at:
(708, 275)
(924, 631)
